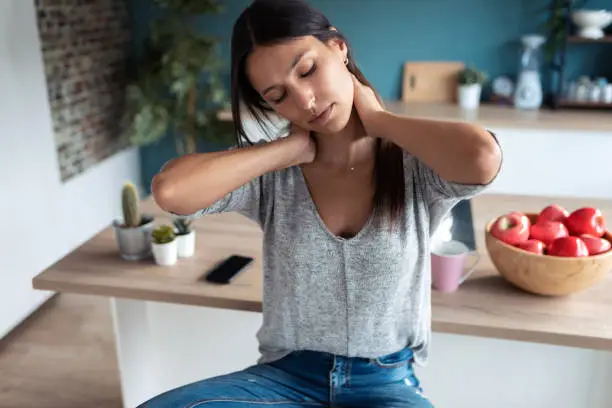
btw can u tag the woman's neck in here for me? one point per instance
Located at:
(347, 149)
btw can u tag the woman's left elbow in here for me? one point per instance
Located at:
(488, 159)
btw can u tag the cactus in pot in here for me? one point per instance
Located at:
(133, 232)
(164, 245)
(130, 204)
(185, 236)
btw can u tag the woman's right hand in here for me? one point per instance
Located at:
(302, 144)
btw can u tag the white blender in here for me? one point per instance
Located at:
(528, 91)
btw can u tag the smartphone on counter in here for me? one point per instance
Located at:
(224, 272)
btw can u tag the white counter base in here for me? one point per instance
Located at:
(162, 346)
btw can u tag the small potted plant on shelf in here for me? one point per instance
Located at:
(164, 245)
(133, 232)
(185, 237)
(470, 82)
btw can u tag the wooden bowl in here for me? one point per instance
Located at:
(544, 274)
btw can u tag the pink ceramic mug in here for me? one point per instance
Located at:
(448, 265)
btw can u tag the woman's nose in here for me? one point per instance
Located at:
(304, 99)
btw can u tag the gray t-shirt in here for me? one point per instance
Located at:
(365, 296)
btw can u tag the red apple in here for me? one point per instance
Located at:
(595, 245)
(586, 220)
(511, 228)
(548, 231)
(569, 246)
(553, 212)
(531, 245)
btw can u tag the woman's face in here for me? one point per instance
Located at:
(305, 81)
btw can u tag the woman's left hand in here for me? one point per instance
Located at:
(367, 106)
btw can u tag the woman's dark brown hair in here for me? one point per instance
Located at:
(267, 22)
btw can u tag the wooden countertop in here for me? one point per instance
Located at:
(484, 306)
(497, 116)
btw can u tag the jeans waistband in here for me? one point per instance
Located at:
(322, 361)
(319, 367)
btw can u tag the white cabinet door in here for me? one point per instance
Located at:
(555, 163)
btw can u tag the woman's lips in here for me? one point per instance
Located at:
(323, 117)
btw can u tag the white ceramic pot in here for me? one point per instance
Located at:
(165, 254)
(469, 96)
(186, 244)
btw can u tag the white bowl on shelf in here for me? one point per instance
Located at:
(592, 22)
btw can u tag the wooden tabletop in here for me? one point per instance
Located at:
(503, 117)
(485, 305)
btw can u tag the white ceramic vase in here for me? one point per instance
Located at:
(186, 244)
(469, 96)
(165, 254)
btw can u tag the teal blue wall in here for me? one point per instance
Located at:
(386, 33)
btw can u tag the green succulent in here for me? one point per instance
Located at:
(182, 225)
(471, 76)
(163, 234)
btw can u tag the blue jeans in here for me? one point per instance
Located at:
(307, 379)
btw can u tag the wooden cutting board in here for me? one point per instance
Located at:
(426, 81)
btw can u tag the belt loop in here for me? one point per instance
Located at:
(332, 380)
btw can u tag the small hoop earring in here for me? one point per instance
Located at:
(346, 61)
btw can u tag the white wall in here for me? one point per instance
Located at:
(41, 219)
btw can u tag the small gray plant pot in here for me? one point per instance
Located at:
(134, 243)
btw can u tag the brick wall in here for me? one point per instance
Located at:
(85, 44)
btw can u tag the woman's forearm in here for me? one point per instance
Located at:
(195, 181)
(458, 152)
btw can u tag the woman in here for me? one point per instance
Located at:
(347, 203)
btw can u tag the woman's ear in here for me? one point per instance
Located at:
(339, 47)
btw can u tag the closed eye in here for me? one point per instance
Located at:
(310, 71)
(279, 100)
(304, 75)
